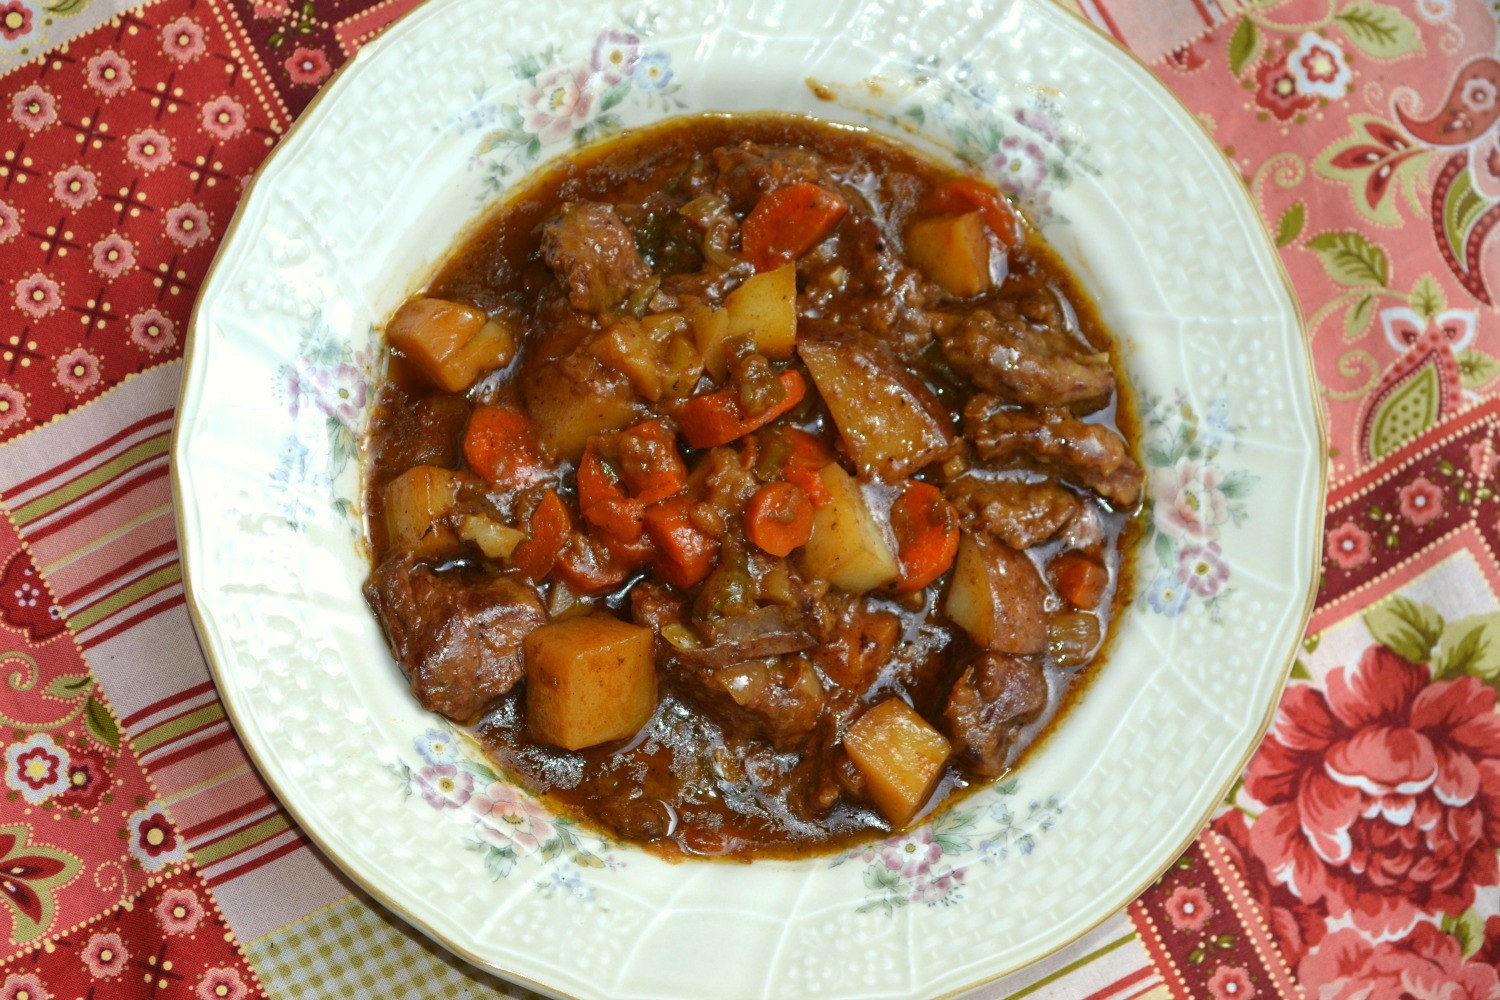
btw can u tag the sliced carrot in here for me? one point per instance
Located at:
(779, 518)
(926, 530)
(719, 417)
(808, 455)
(789, 221)
(1080, 579)
(649, 463)
(685, 554)
(602, 500)
(499, 445)
(965, 194)
(547, 534)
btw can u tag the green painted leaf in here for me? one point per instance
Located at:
(101, 723)
(1380, 30)
(1244, 45)
(1237, 484)
(1358, 317)
(1470, 646)
(70, 686)
(1300, 671)
(1461, 206)
(1405, 413)
(1351, 260)
(1476, 368)
(1164, 551)
(1469, 929)
(1409, 628)
(1290, 225)
(1427, 297)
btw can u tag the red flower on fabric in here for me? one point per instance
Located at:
(105, 956)
(152, 331)
(75, 186)
(187, 225)
(114, 255)
(24, 603)
(224, 117)
(221, 984)
(148, 150)
(15, 20)
(308, 66)
(1296, 926)
(1348, 545)
(29, 876)
(12, 406)
(1382, 797)
(1427, 965)
(179, 911)
(24, 986)
(38, 295)
(88, 779)
(109, 73)
(1188, 908)
(1421, 501)
(78, 371)
(10, 222)
(1231, 982)
(1277, 91)
(183, 40)
(33, 108)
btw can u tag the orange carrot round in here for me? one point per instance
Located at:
(926, 529)
(789, 221)
(498, 445)
(779, 518)
(719, 418)
(547, 534)
(1080, 579)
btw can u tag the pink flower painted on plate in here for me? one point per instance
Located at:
(187, 225)
(148, 150)
(24, 986)
(221, 984)
(109, 73)
(152, 839)
(1425, 965)
(114, 255)
(1020, 167)
(1202, 568)
(563, 99)
(10, 222)
(1319, 67)
(15, 20)
(615, 55)
(1231, 982)
(179, 912)
(75, 186)
(224, 117)
(152, 331)
(12, 406)
(307, 66)
(940, 886)
(182, 40)
(1188, 908)
(1277, 90)
(444, 786)
(38, 295)
(507, 818)
(37, 768)
(33, 108)
(78, 370)
(1381, 794)
(1348, 545)
(105, 956)
(1421, 501)
(1189, 505)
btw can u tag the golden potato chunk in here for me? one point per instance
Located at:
(414, 501)
(589, 680)
(998, 597)
(566, 410)
(900, 756)
(953, 251)
(848, 547)
(765, 309)
(450, 342)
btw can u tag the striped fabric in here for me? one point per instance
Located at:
(100, 525)
(1108, 963)
(1151, 30)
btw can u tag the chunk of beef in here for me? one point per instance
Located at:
(1090, 454)
(990, 702)
(777, 699)
(761, 632)
(457, 633)
(414, 428)
(749, 170)
(1020, 514)
(654, 605)
(1032, 358)
(855, 640)
(595, 255)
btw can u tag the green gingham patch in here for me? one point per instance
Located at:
(353, 949)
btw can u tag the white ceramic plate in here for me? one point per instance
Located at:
(428, 125)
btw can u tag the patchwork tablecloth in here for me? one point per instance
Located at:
(140, 854)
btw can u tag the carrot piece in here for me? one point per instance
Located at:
(719, 418)
(588, 565)
(926, 530)
(788, 221)
(808, 455)
(602, 500)
(965, 194)
(548, 533)
(1080, 579)
(685, 554)
(499, 446)
(649, 463)
(779, 518)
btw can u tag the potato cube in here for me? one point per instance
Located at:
(953, 251)
(900, 756)
(450, 342)
(494, 539)
(848, 547)
(998, 597)
(710, 334)
(765, 308)
(566, 410)
(589, 680)
(414, 501)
